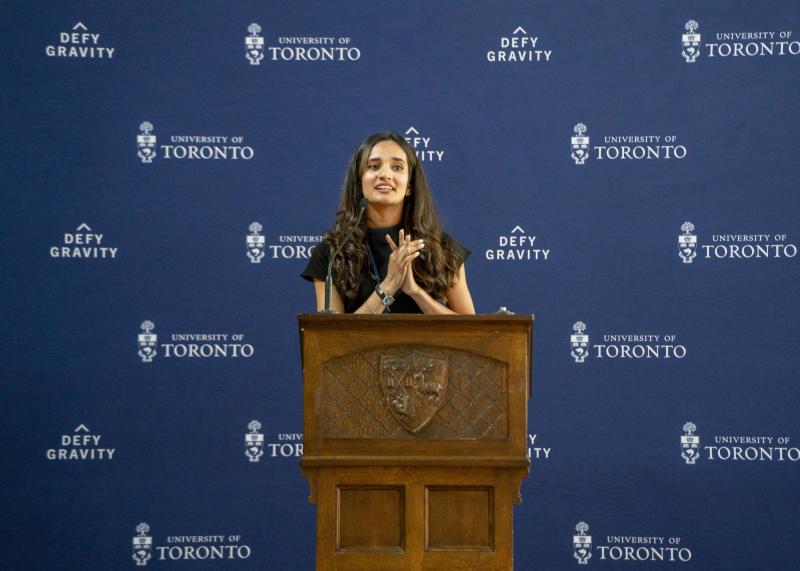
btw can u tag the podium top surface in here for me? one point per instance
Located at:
(412, 317)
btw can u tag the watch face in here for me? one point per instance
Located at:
(385, 297)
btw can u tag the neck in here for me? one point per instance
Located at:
(379, 216)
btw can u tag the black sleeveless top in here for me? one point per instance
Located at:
(317, 268)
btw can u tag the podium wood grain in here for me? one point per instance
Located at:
(415, 431)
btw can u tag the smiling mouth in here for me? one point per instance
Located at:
(384, 188)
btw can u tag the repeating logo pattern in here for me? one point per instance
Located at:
(147, 342)
(81, 445)
(255, 243)
(223, 547)
(192, 345)
(518, 246)
(737, 448)
(629, 547)
(142, 545)
(582, 544)
(254, 45)
(537, 451)
(426, 153)
(283, 247)
(254, 441)
(83, 244)
(687, 243)
(191, 147)
(298, 48)
(624, 345)
(641, 147)
(146, 143)
(79, 43)
(690, 42)
(579, 342)
(690, 443)
(729, 246)
(761, 44)
(519, 47)
(580, 144)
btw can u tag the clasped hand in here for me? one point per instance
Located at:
(400, 274)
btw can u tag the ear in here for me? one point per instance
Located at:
(408, 191)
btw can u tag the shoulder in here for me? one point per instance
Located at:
(317, 267)
(450, 243)
(322, 249)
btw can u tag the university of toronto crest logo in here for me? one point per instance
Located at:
(147, 342)
(413, 387)
(254, 441)
(687, 242)
(142, 545)
(690, 443)
(579, 342)
(580, 144)
(690, 42)
(582, 544)
(146, 142)
(255, 243)
(254, 45)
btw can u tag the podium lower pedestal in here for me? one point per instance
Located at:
(414, 518)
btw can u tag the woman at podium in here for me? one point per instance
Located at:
(390, 252)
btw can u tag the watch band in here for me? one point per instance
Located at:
(385, 297)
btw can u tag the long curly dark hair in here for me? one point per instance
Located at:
(434, 271)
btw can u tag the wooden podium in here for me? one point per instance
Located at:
(415, 430)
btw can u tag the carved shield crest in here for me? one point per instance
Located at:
(414, 386)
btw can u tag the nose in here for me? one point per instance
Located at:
(385, 173)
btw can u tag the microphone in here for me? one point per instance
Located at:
(329, 277)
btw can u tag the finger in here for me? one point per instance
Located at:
(392, 245)
(402, 235)
(410, 258)
(400, 252)
(411, 247)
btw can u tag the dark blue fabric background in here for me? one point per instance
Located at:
(613, 425)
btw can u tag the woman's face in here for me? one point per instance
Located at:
(385, 177)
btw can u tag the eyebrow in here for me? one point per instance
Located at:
(400, 159)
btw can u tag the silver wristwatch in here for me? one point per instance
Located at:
(385, 297)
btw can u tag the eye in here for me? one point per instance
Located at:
(397, 168)
(372, 166)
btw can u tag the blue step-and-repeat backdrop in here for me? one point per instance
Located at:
(626, 171)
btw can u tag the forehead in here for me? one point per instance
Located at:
(386, 150)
